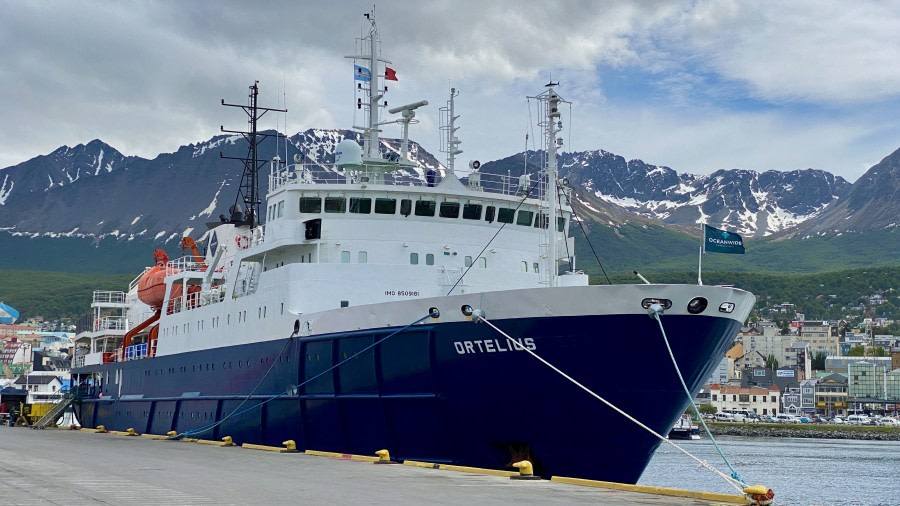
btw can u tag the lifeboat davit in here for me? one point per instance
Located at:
(152, 285)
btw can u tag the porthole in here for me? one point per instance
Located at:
(665, 303)
(697, 305)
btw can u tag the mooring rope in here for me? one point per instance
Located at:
(655, 310)
(728, 479)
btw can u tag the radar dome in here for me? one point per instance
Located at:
(348, 154)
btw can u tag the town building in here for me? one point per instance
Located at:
(764, 401)
(842, 364)
(749, 360)
(831, 395)
(821, 336)
(41, 388)
(798, 357)
(790, 401)
(808, 395)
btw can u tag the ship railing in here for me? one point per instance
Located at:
(139, 319)
(198, 299)
(137, 279)
(109, 297)
(111, 323)
(185, 263)
(391, 174)
(78, 361)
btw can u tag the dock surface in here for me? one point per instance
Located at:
(71, 467)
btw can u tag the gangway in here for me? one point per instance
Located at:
(56, 412)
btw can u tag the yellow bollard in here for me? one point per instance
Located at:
(228, 441)
(384, 457)
(171, 433)
(526, 471)
(290, 446)
(131, 432)
(101, 429)
(760, 495)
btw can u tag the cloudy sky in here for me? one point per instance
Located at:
(694, 85)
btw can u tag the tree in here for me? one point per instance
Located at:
(818, 361)
(857, 351)
(772, 362)
(708, 409)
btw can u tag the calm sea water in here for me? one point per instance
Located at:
(799, 471)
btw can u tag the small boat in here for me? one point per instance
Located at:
(684, 428)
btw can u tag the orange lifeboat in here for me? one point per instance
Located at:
(152, 285)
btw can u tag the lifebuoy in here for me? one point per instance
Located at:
(242, 241)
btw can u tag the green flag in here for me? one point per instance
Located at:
(720, 241)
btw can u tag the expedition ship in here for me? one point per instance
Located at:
(361, 315)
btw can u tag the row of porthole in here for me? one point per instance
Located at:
(212, 367)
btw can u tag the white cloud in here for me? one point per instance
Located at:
(147, 77)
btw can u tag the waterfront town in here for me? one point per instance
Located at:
(804, 371)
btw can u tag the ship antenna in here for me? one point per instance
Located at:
(549, 102)
(374, 89)
(249, 187)
(448, 125)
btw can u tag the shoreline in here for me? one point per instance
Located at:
(806, 430)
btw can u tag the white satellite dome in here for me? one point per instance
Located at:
(348, 154)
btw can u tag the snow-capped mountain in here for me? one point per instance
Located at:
(752, 203)
(94, 191)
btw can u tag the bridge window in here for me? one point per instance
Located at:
(425, 207)
(489, 214)
(542, 221)
(482, 262)
(345, 257)
(472, 211)
(536, 266)
(406, 207)
(560, 224)
(335, 204)
(525, 218)
(310, 205)
(360, 206)
(468, 261)
(524, 266)
(506, 215)
(414, 258)
(385, 206)
(362, 257)
(429, 259)
(449, 210)
(281, 209)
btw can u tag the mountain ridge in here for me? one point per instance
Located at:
(93, 192)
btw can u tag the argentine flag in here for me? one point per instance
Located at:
(361, 73)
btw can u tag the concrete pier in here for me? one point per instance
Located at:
(80, 468)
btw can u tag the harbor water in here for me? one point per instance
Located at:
(799, 471)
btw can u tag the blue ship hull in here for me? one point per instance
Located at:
(445, 392)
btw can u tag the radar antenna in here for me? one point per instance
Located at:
(249, 187)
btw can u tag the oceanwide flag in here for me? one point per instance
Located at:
(361, 73)
(720, 241)
(390, 74)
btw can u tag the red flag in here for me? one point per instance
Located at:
(390, 74)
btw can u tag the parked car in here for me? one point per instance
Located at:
(888, 422)
(724, 417)
(859, 420)
(804, 419)
(768, 419)
(783, 418)
(838, 420)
